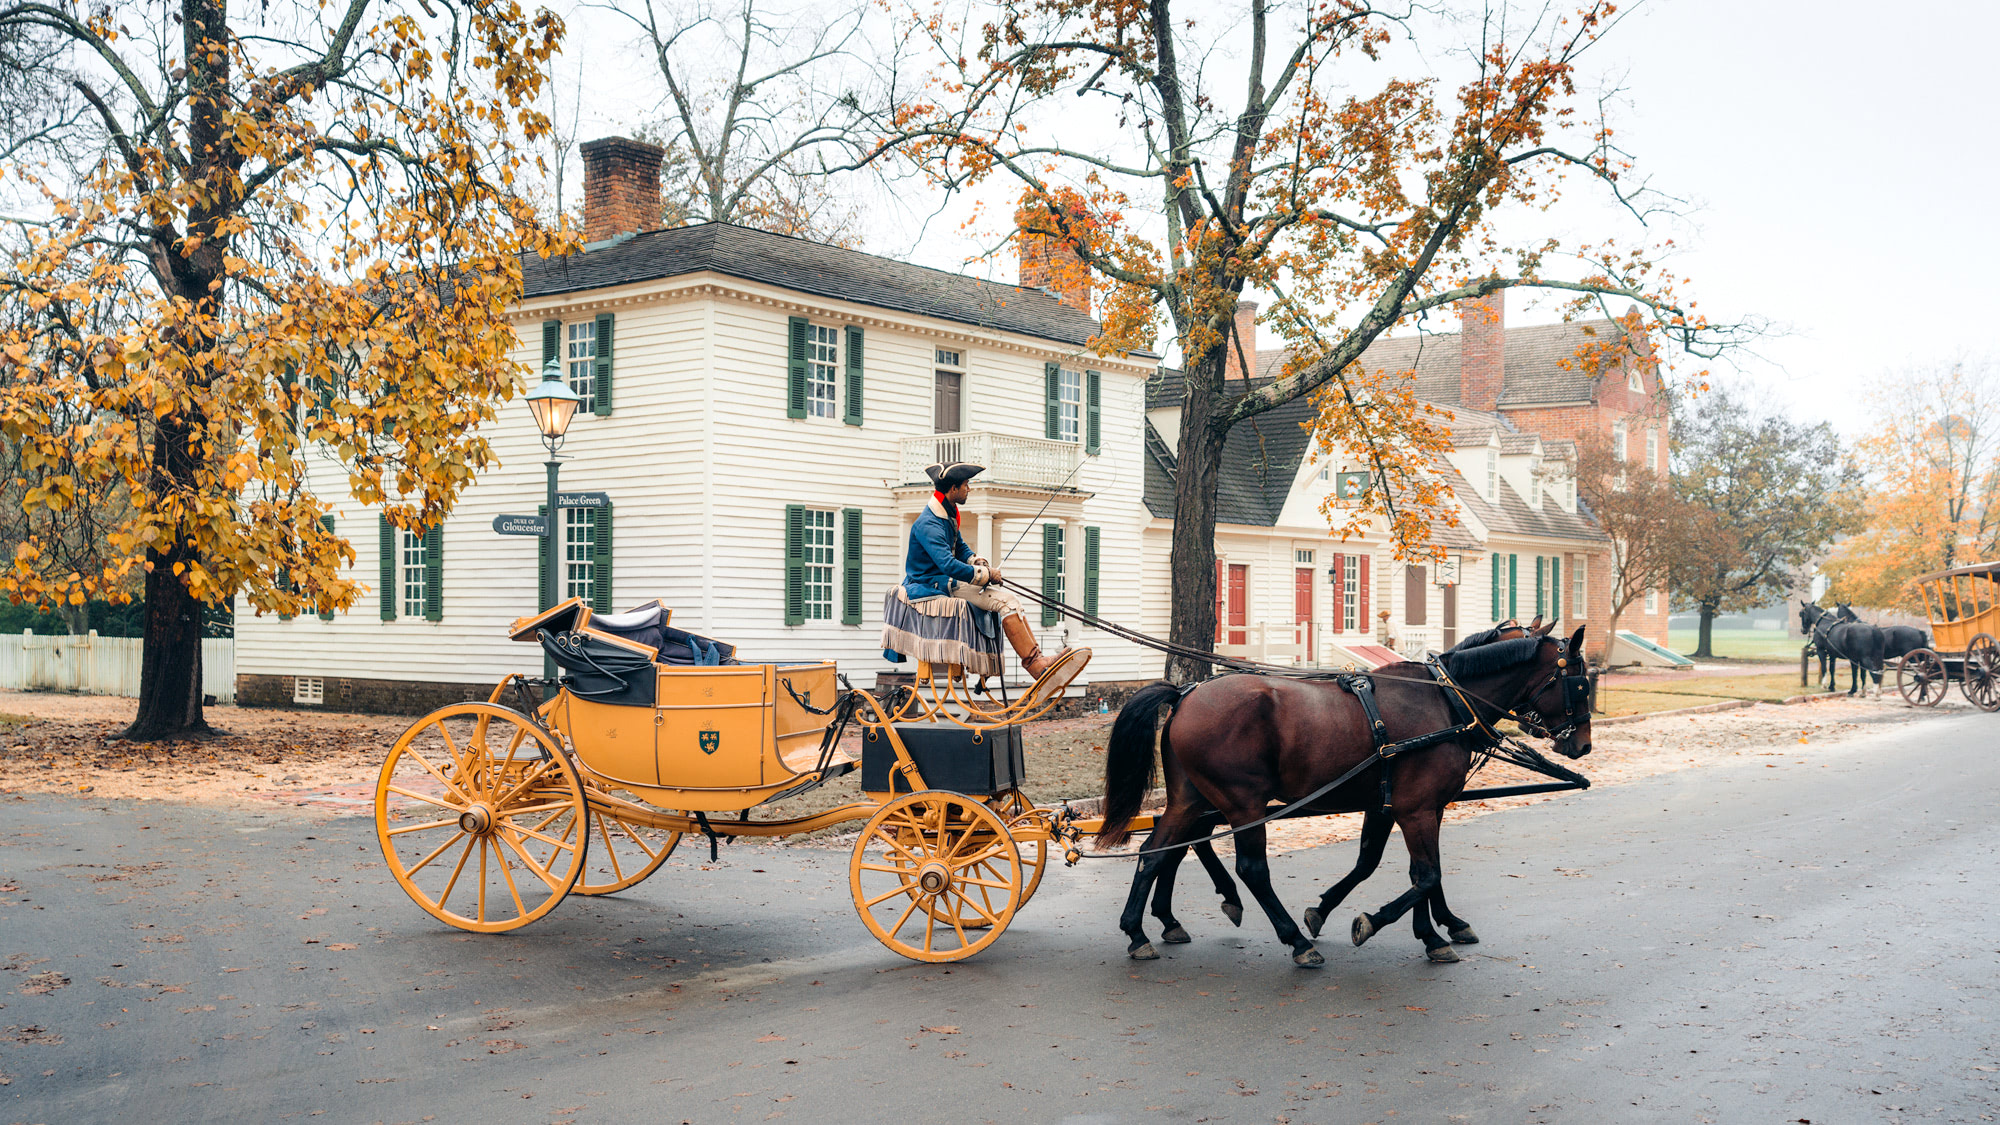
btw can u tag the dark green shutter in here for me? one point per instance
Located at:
(551, 343)
(1541, 586)
(600, 561)
(1051, 570)
(795, 564)
(1496, 587)
(327, 523)
(1514, 586)
(542, 557)
(602, 366)
(434, 573)
(852, 416)
(385, 549)
(1093, 426)
(1090, 547)
(1555, 588)
(850, 563)
(795, 385)
(1052, 391)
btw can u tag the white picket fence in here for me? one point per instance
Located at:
(94, 665)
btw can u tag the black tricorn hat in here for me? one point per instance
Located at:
(947, 475)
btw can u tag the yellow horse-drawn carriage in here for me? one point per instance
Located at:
(1964, 609)
(489, 814)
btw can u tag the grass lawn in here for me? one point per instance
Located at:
(1617, 701)
(1739, 644)
(1769, 686)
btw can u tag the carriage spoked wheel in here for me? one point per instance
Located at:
(1921, 678)
(925, 862)
(1981, 680)
(470, 809)
(1031, 829)
(623, 852)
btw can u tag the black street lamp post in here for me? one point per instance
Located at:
(553, 405)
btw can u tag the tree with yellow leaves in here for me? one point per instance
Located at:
(1186, 153)
(1932, 463)
(259, 239)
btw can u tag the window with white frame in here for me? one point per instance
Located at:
(1653, 450)
(1618, 441)
(1303, 556)
(1579, 609)
(580, 363)
(413, 570)
(1350, 593)
(1326, 472)
(1493, 476)
(822, 369)
(579, 557)
(1633, 380)
(1069, 403)
(1652, 601)
(819, 565)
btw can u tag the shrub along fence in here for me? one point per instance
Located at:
(94, 665)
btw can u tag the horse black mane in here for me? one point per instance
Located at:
(1476, 657)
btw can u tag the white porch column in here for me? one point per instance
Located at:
(1072, 570)
(980, 539)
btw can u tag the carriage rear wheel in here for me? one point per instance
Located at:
(1921, 678)
(1981, 681)
(469, 810)
(925, 862)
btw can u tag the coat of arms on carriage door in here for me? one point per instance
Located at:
(711, 741)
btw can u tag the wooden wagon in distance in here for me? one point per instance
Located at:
(1963, 605)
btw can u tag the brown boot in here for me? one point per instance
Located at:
(1023, 640)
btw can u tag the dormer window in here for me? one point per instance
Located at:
(1492, 476)
(1535, 483)
(1633, 380)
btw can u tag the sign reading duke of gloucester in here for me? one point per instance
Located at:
(521, 525)
(583, 499)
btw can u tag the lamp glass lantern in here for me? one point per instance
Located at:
(553, 404)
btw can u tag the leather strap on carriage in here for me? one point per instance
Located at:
(708, 830)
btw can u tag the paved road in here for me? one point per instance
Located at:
(1796, 938)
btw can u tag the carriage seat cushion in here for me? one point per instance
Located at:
(640, 618)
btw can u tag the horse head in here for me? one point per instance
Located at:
(1809, 615)
(1845, 612)
(1561, 687)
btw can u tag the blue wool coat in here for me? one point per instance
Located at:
(938, 555)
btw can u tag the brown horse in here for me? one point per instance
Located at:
(1232, 745)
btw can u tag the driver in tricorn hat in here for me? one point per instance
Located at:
(940, 562)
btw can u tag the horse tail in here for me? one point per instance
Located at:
(1130, 766)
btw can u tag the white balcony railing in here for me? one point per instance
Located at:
(1268, 644)
(1035, 462)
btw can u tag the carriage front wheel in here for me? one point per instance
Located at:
(475, 810)
(924, 864)
(1921, 678)
(1981, 681)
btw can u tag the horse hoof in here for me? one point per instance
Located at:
(1443, 954)
(1175, 936)
(1308, 958)
(1465, 936)
(1144, 951)
(1314, 920)
(1363, 929)
(1234, 912)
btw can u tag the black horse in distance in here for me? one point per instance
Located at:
(1855, 641)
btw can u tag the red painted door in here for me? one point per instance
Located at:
(1302, 604)
(1239, 607)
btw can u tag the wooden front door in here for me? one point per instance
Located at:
(950, 388)
(1302, 604)
(1239, 604)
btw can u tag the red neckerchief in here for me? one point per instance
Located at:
(950, 508)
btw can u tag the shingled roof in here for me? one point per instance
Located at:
(1261, 459)
(810, 267)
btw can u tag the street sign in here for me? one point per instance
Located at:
(1352, 486)
(583, 499)
(521, 525)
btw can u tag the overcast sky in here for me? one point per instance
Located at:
(1837, 160)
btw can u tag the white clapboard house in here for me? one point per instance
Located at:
(1288, 592)
(757, 410)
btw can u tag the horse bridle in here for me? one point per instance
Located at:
(1575, 695)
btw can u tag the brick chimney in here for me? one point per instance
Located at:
(1049, 262)
(621, 187)
(1246, 336)
(1482, 350)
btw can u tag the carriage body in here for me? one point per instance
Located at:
(1963, 605)
(653, 733)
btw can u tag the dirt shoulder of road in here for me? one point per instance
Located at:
(321, 763)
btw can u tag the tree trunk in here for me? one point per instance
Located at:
(1196, 475)
(1703, 647)
(76, 618)
(170, 702)
(1611, 629)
